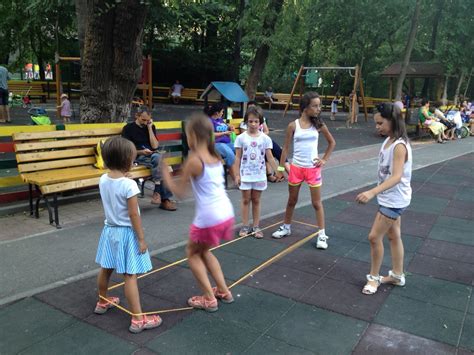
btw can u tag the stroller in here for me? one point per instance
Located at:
(20, 100)
(39, 117)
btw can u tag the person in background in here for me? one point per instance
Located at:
(175, 91)
(65, 107)
(269, 97)
(4, 110)
(142, 133)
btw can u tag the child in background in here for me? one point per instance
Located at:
(251, 148)
(65, 107)
(122, 245)
(214, 216)
(335, 101)
(393, 196)
(306, 164)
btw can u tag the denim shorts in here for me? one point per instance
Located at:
(390, 212)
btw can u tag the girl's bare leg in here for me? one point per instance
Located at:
(292, 200)
(132, 295)
(318, 206)
(255, 197)
(195, 253)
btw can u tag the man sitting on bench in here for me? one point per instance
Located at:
(142, 133)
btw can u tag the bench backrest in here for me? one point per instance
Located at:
(39, 151)
(23, 88)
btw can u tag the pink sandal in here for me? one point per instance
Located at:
(200, 302)
(137, 326)
(224, 297)
(101, 308)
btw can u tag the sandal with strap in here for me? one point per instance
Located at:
(244, 231)
(257, 232)
(369, 289)
(399, 279)
(101, 308)
(222, 296)
(201, 302)
(137, 326)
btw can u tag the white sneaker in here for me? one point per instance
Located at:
(281, 232)
(322, 243)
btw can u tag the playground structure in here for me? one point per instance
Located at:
(145, 83)
(304, 71)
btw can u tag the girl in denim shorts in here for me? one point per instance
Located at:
(393, 196)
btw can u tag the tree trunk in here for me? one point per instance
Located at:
(82, 15)
(261, 56)
(408, 49)
(444, 99)
(468, 82)
(434, 34)
(238, 41)
(458, 87)
(112, 60)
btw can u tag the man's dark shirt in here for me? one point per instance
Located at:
(138, 135)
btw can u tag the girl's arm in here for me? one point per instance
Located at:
(266, 130)
(290, 130)
(132, 204)
(192, 168)
(271, 160)
(399, 157)
(331, 145)
(236, 167)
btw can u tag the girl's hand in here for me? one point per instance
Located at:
(237, 180)
(319, 162)
(279, 175)
(143, 247)
(365, 197)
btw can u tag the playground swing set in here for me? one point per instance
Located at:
(308, 72)
(145, 83)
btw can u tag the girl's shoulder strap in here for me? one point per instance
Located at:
(297, 123)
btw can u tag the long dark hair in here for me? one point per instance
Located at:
(316, 121)
(203, 131)
(393, 113)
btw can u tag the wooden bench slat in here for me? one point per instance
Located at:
(69, 174)
(54, 154)
(67, 143)
(55, 164)
(66, 134)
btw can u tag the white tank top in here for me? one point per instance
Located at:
(305, 145)
(212, 204)
(399, 196)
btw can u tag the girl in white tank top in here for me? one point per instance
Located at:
(306, 165)
(393, 195)
(214, 217)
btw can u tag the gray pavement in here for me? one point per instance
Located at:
(38, 262)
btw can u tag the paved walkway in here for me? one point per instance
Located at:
(309, 301)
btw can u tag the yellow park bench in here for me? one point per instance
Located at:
(32, 89)
(58, 161)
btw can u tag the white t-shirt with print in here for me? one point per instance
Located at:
(252, 163)
(115, 194)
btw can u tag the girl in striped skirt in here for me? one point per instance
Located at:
(122, 245)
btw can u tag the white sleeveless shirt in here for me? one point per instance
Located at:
(212, 203)
(305, 145)
(398, 196)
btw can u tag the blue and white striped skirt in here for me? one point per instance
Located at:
(118, 249)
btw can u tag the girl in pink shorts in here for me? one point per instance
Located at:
(214, 218)
(306, 164)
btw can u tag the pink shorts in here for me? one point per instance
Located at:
(298, 174)
(212, 235)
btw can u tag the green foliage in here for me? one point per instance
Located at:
(194, 40)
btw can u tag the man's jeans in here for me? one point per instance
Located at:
(227, 152)
(153, 161)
